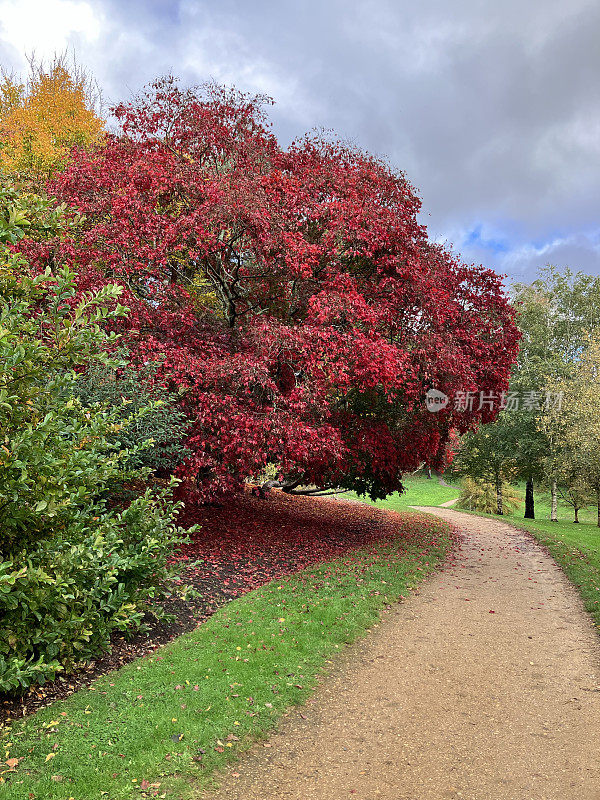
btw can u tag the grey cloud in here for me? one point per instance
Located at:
(492, 109)
(580, 252)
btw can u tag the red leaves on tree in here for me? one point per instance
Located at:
(325, 313)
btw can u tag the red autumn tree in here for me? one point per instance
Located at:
(290, 296)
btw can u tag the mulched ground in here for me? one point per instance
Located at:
(241, 545)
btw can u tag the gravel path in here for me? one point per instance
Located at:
(446, 699)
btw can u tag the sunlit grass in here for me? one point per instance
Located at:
(419, 491)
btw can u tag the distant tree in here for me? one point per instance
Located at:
(555, 469)
(44, 117)
(480, 495)
(488, 455)
(576, 425)
(554, 313)
(574, 492)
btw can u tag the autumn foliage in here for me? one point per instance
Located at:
(290, 296)
(244, 545)
(41, 120)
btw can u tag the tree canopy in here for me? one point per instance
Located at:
(43, 118)
(291, 296)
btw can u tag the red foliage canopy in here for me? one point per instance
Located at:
(291, 295)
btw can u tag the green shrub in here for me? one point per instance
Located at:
(60, 604)
(71, 570)
(55, 456)
(129, 392)
(479, 495)
(24, 213)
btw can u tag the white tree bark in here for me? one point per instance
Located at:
(554, 503)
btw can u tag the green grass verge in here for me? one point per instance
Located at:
(419, 491)
(174, 717)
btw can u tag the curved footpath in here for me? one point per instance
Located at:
(483, 685)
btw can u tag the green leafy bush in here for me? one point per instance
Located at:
(60, 604)
(480, 495)
(71, 569)
(25, 213)
(150, 410)
(55, 455)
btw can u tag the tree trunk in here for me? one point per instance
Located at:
(499, 509)
(529, 500)
(429, 472)
(576, 514)
(554, 503)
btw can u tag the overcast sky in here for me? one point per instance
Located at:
(492, 108)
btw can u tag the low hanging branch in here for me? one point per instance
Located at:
(296, 487)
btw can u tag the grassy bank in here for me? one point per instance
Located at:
(162, 724)
(419, 491)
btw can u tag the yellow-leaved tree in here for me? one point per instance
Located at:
(41, 119)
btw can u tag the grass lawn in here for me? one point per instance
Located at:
(160, 725)
(419, 491)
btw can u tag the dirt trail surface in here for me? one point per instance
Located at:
(485, 685)
(447, 504)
